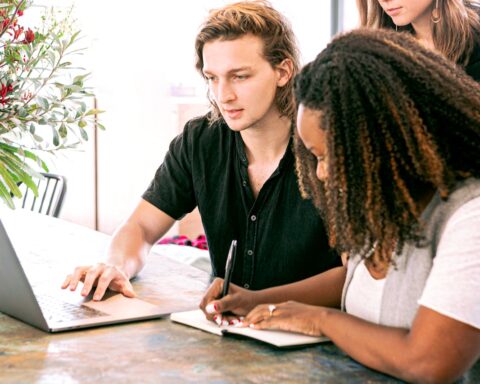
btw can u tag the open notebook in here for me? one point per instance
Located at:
(279, 339)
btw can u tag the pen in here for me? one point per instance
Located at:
(229, 267)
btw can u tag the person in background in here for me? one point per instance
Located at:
(235, 163)
(387, 149)
(452, 27)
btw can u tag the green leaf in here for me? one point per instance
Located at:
(73, 88)
(73, 38)
(5, 195)
(22, 112)
(9, 181)
(20, 172)
(30, 155)
(83, 133)
(43, 103)
(62, 131)
(94, 112)
(56, 137)
(78, 80)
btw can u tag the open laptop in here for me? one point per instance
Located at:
(51, 309)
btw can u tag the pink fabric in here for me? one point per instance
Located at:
(200, 242)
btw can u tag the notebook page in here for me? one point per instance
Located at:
(197, 319)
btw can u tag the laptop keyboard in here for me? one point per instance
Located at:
(61, 311)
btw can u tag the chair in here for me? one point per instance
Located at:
(51, 192)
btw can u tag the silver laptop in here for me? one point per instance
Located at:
(45, 306)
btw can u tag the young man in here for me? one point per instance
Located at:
(235, 164)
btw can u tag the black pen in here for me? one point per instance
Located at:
(229, 267)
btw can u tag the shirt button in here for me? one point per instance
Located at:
(244, 183)
(253, 217)
(246, 286)
(249, 252)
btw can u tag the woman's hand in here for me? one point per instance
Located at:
(290, 316)
(238, 302)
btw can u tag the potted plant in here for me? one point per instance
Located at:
(43, 97)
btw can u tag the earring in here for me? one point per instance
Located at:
(435, 17)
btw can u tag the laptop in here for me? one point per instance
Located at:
(47, 307)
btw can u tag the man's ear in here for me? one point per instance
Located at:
(284, 72)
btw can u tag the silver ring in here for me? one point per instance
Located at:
(271, 308)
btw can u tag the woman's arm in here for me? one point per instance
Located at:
(324, 289)
(436, 349)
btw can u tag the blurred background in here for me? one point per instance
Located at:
(141, 56)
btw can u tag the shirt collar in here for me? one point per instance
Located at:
(284, 162)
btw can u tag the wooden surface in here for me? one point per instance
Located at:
(159, 351)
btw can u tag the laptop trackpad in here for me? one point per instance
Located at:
(115, 303)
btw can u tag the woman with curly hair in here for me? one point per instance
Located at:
(387, 148)
(451, 27)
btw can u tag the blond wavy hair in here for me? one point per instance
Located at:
(257, 18)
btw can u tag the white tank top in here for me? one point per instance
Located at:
(364, 295)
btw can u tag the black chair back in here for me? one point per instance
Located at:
(51, 192)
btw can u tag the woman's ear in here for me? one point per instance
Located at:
(284, 72)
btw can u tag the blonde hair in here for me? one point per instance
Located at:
(259, 19)
(454, 36)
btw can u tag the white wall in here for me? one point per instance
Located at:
(351, 17)
(137, 53)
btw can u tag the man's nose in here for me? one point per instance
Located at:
(225, 92)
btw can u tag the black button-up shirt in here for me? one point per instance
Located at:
(280, 237)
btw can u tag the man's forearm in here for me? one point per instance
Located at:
(128, 249)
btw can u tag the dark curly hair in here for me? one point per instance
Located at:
(400, 121)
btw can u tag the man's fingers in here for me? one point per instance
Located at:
(114, 279)
(66, 282)
(102, 284)
(128, 289)
(124, 287)
(91, 278)
(110, 277)
(102, 276)
(78, 275)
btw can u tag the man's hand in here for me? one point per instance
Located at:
(101, 276)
